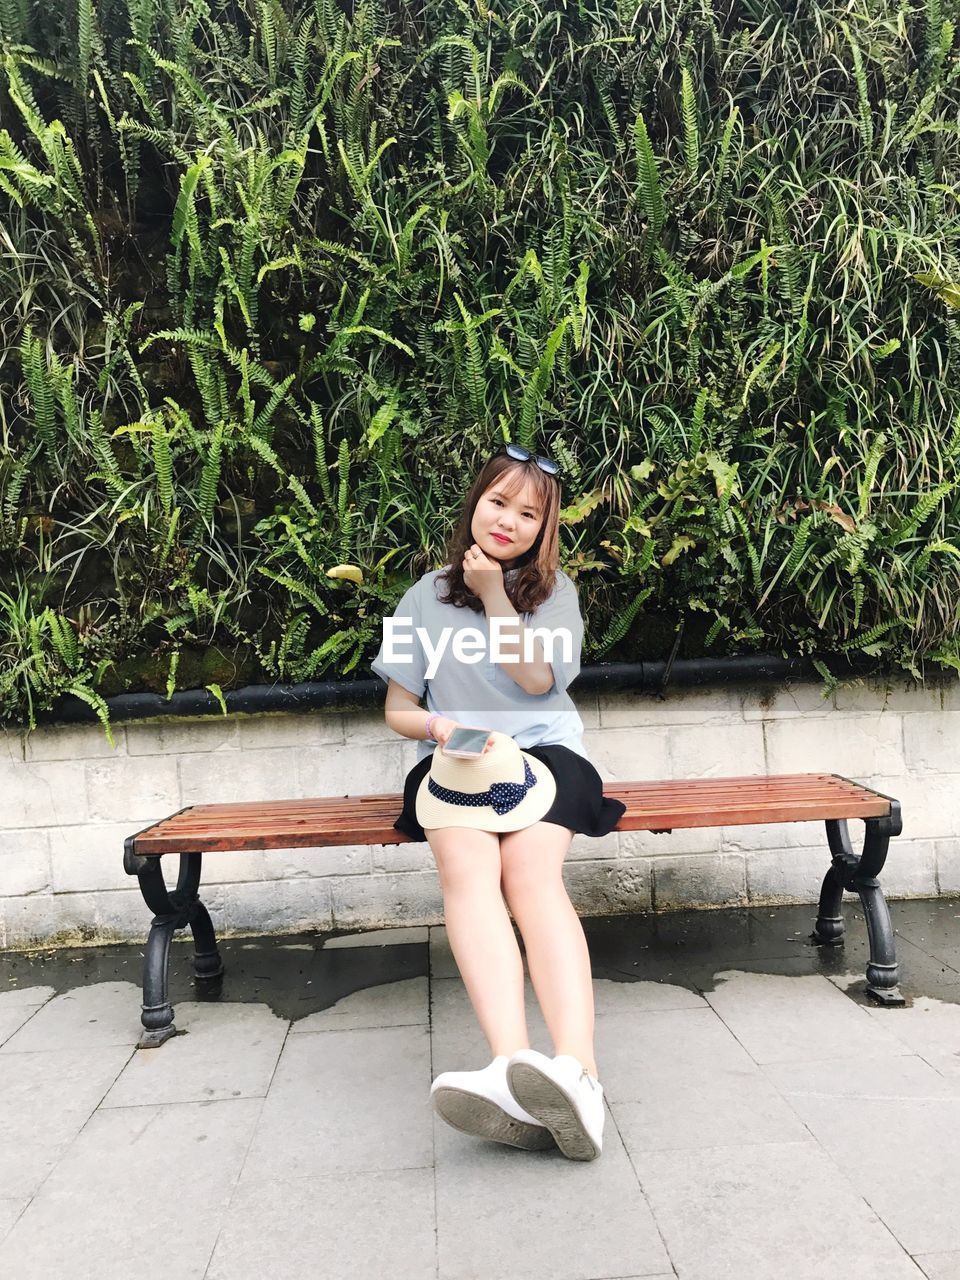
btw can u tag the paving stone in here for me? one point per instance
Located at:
(104, 1013)
(45, 1100)
(901, 1155)
(891, 1079)
(458, 1042)
(394, 1004)
(533, 1200)
(142, 1191)
(930, 1028)
(642, 997)
(658, 943)
(797, 1019)
(940, 1266)
(932, 925)
(346, 1101)
(442, 963)
(228, 1051)
(684, 1046)
(379, 938)
(18, 1007)
(347, 1132)
(766, 1212)
(718, 1108)
(25, 997)
(359, 1224)
(10, 1211)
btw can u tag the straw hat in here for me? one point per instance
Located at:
(505, 789)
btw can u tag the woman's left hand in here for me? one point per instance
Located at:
(481, 573)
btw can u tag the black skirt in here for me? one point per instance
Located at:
(580, 803)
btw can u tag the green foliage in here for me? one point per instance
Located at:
(277, 281)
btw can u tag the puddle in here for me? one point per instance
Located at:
(291, 974)
(297, 975)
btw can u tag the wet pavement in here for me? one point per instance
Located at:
(764, 1118)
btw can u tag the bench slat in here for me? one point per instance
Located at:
(800, 784)
(650, 806)
(701, 785)
(853, 806)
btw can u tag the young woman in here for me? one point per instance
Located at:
(503, 570)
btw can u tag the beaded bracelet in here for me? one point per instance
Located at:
(430, 720)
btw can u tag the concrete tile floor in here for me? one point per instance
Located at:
(763, 1120)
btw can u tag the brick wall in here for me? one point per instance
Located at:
(67, 800)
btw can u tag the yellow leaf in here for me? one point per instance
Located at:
(581, 508)
(681, 543)
(349, 571)
(642, 470)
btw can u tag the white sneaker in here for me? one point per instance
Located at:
(561, 1094)
(479, 1103)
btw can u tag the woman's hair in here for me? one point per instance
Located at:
(535, 574)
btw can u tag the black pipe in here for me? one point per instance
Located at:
(359, 695)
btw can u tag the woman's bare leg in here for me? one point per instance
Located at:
(557, 954)
(480, 933)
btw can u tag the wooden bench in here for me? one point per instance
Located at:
(650, 806)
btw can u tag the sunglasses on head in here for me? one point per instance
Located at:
(519, 454)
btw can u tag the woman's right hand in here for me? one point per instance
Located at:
(443, 727)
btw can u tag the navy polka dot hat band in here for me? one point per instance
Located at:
(505, 789)
(500, 796)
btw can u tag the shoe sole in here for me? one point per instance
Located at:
(482, 1118)
(553, 1107)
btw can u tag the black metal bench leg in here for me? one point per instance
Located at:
(157, 1015)
(207, 964)
(859, 875)
(174, 909)
(883, 972)
(828, 931)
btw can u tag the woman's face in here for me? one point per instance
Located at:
(517, 519)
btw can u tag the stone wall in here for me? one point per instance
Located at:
(67, 800)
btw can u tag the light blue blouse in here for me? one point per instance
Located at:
(483, 694)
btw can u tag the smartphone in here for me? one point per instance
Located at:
(467, 744)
